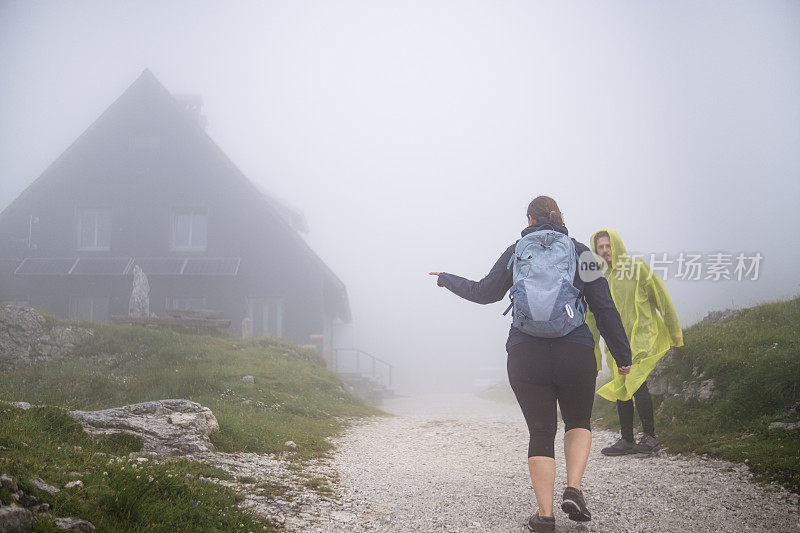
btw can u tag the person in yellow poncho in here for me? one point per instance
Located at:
(652, 326)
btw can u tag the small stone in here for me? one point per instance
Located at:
(785, 425)
(8, 482)
(21, 405)
(248, 379)
(41, 508)
(77, 484)
(26, 500)
(43, 486)
(291, 444)
(14, 518)
(74, 524)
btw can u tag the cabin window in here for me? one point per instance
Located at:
(189, 227)
(266, 316)
(94, 229)
(92, 309)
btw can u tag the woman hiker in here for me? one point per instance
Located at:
(550, 348)
(653, 327)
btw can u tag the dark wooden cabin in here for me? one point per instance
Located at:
(145, 185)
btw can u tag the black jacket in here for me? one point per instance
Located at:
(493, 287)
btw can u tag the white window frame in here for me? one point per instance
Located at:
(96, 211)
(193, 212)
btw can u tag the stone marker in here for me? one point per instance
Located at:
(139, 304)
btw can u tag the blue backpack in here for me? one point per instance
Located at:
(545, 302)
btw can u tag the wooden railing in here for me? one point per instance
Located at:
(345, 360)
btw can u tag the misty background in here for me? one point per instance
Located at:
(412, 135)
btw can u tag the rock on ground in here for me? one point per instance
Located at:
(15, 519)
(167, 426)
(44, 486)
(75, 525)
(459, 464)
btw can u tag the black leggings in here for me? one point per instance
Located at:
(644, 405)
(543, 372)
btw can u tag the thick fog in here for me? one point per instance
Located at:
(412, 135)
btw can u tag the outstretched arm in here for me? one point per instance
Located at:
(608, 321)
(490, 289)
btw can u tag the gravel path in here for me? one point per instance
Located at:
(457, 463)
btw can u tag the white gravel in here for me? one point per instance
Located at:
(458, 463)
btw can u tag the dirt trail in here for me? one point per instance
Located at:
(458, 463)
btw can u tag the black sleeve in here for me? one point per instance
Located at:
(490, 289)
(609, 323)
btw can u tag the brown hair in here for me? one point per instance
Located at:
(599, 234)
(545, 207)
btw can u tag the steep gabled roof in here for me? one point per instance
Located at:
(147, 86)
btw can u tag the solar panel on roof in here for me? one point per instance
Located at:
(160, 266)
(224, 266)
(45, 266)
(114, 266)
(8, 266)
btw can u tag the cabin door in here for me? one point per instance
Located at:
(266, 316)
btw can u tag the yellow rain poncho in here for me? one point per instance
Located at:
(648, 315)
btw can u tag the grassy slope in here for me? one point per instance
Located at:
(294, 398)
(118, 495)
(754, 360)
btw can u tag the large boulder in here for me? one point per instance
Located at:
(26, 339)
(166, 426)
(700, 390)
(658, 382)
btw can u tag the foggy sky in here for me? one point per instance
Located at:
(412, 135)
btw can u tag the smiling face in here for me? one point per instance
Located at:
(604, 248)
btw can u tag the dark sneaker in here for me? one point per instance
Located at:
(647, 444)
(542, 523)
(575, 506)
(621, 447)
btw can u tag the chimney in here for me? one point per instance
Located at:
(191, 104)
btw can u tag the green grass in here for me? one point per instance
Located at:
(294, 396)
(754, 360)
(118, 495)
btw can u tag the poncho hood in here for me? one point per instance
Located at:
(618, 250)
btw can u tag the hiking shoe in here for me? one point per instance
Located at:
(621, 447)
(575, 506)
(542, 523)
(647, 444)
